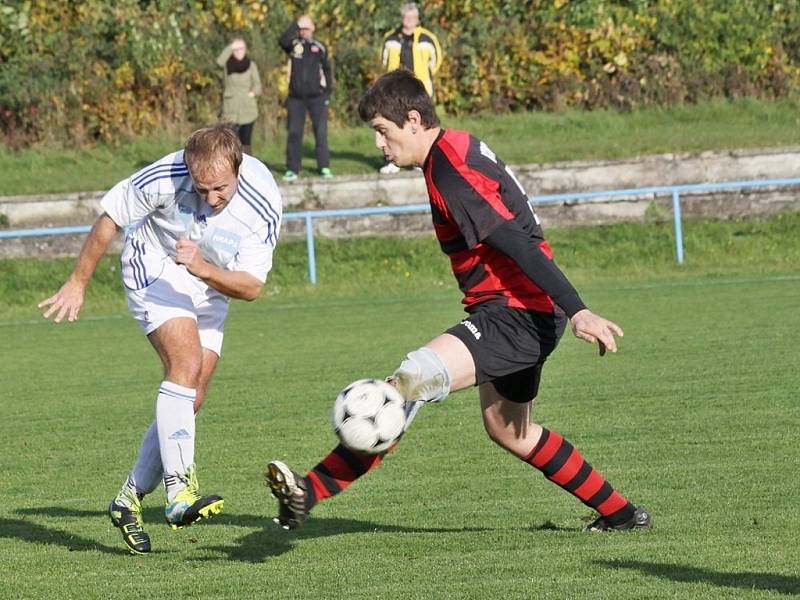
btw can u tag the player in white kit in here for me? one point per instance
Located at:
(201, 226)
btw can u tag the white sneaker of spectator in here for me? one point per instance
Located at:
(389, 168)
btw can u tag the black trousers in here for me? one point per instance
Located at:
(245, 132)
(318, 108)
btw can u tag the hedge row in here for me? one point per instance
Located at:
(76, 72)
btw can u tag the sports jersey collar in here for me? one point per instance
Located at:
(442, 131)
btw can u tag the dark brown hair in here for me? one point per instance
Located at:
(394, 95)
(212, 147)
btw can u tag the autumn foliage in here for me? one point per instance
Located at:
(77, 72)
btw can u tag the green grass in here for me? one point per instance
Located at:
(696, 417)
(389, 266)
(517, 138)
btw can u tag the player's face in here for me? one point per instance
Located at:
(398, 144)
(216, 187)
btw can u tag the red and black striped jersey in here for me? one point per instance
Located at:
(472, 195)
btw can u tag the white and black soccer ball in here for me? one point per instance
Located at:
(369, 416)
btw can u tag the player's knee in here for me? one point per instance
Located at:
(422, 376)
(185, 372)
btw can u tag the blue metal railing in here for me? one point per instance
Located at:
(673, 190)
(310, 215)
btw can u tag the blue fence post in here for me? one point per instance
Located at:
(312, 261)
(676, 215)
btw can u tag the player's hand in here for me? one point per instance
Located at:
(189, 254)
(66, 302)
(593, 328)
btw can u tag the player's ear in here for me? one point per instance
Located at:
(415, 119)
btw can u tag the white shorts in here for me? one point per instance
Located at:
(173, 293)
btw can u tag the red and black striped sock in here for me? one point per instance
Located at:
(337, 471)
(562, 464)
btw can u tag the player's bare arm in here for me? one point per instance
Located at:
(67, 301)
(235, 284)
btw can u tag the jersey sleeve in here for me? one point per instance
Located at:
(536, 261)
(255, 255)
(125, 203)
(261, 209)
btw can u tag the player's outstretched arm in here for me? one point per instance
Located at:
(67, 301)
(593, 328)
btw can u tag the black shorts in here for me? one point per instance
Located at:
(509, 347)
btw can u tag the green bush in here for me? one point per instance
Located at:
(76, 72)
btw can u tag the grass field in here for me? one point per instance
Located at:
(523, 138)
(696, 418)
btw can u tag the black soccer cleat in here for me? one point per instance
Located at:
(641, 519)
(291, 491)
(129, 522)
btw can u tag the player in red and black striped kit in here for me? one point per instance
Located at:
(518, 303)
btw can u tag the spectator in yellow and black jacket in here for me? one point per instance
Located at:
(412, 47)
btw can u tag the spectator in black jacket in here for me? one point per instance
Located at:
(310, 84)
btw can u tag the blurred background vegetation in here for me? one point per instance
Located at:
(75, 73)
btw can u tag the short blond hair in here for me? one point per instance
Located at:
(212, 148)
(409, 7)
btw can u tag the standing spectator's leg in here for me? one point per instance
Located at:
(318, 107)
(246, 136)
(294, 143)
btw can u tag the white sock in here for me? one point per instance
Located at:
(127, 492)
(175, 424)
(147, 471)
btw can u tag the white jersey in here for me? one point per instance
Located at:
(160, 206)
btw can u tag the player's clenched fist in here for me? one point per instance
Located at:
(188, 253)
(65, 302)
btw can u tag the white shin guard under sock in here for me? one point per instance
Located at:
(175, 425)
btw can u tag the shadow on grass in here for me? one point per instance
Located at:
(60, 511)
(272, 540)
(748, 580)
(550, 526)
(28, 531)
(255, 547)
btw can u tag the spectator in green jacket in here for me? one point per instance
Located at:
(242, 86)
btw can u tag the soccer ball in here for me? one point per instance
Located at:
(369, 416)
